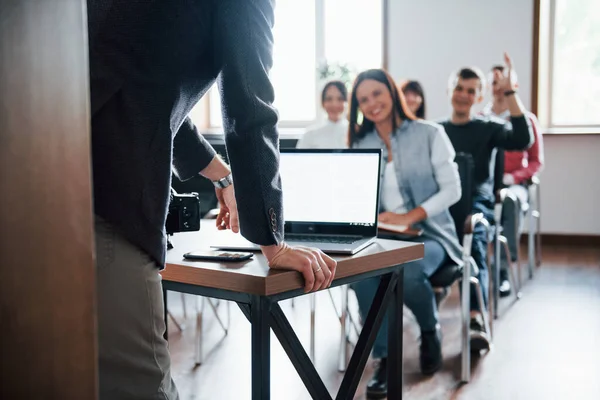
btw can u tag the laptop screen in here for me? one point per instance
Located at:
(330, 191)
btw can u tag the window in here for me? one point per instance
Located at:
(307, 34)
(573, 76)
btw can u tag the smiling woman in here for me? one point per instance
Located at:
(420, 183)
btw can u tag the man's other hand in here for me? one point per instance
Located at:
(228, 213)
(317, 268)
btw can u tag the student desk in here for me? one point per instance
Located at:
(257, 290)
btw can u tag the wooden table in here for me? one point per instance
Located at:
(257, 290)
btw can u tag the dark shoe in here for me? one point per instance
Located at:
(431, 352)
(504, 288)
(480, 339)
(377, 386)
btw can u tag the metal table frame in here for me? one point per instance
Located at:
(264, 314)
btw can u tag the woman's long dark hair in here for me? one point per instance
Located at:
(399, 107)
(416, 88)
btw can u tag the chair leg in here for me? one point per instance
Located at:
(538, 240)
(180, 326)
(199, 326)
(465, 374)
(531, 243)
(199, 342)
(216, 312)
(228, 314)
(337, 312)
(353, 324)
(313, 305)
(177, 324)
(519, 264)
(479, 293)
(538, 231)
(491, 287)
(343, 353)
(183, 305)
(513, 281)
(495, 271)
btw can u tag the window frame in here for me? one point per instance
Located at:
(203, 109)
(544, 35)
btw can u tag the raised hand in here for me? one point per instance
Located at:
(507, 82)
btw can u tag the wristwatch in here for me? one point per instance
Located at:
(509, 92)
(223, 182)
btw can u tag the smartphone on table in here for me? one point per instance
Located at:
(214, 255)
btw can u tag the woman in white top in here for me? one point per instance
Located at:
(331, 134)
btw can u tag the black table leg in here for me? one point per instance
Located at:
(367, 336)
(297, 355)
(166, 334)
(261, 348)
(395, 373)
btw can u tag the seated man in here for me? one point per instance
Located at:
(480, 137)
(519, 167)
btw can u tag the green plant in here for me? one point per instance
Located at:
(340, 71)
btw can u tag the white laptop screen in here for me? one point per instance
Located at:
(330, 187)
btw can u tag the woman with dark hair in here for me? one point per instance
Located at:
(420, 182)
(415, 98)
(332, 133)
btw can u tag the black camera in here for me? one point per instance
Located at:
(184, 213)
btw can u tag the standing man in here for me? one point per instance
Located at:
(519, 168)
(480, 137)
(150, 63)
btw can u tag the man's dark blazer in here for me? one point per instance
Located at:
(150, 63)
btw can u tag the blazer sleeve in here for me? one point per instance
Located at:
(244, 49)
(191, 152)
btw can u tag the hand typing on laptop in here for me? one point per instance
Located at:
(317, 268)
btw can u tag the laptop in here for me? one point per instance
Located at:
(330, 200)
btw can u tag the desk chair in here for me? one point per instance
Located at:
(448, 274)
(499, 241)
(199, 342)
(465, 223)
(534, 243)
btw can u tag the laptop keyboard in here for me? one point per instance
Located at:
(321, 239)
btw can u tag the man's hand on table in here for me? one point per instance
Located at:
(317, 268)
(228, 213)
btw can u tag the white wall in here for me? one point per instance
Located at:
(428, 39)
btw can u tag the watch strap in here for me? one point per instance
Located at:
(223, 182)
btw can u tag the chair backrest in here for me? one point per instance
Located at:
(499, 170)
(464, 206)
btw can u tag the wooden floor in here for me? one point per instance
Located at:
(547, 345)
